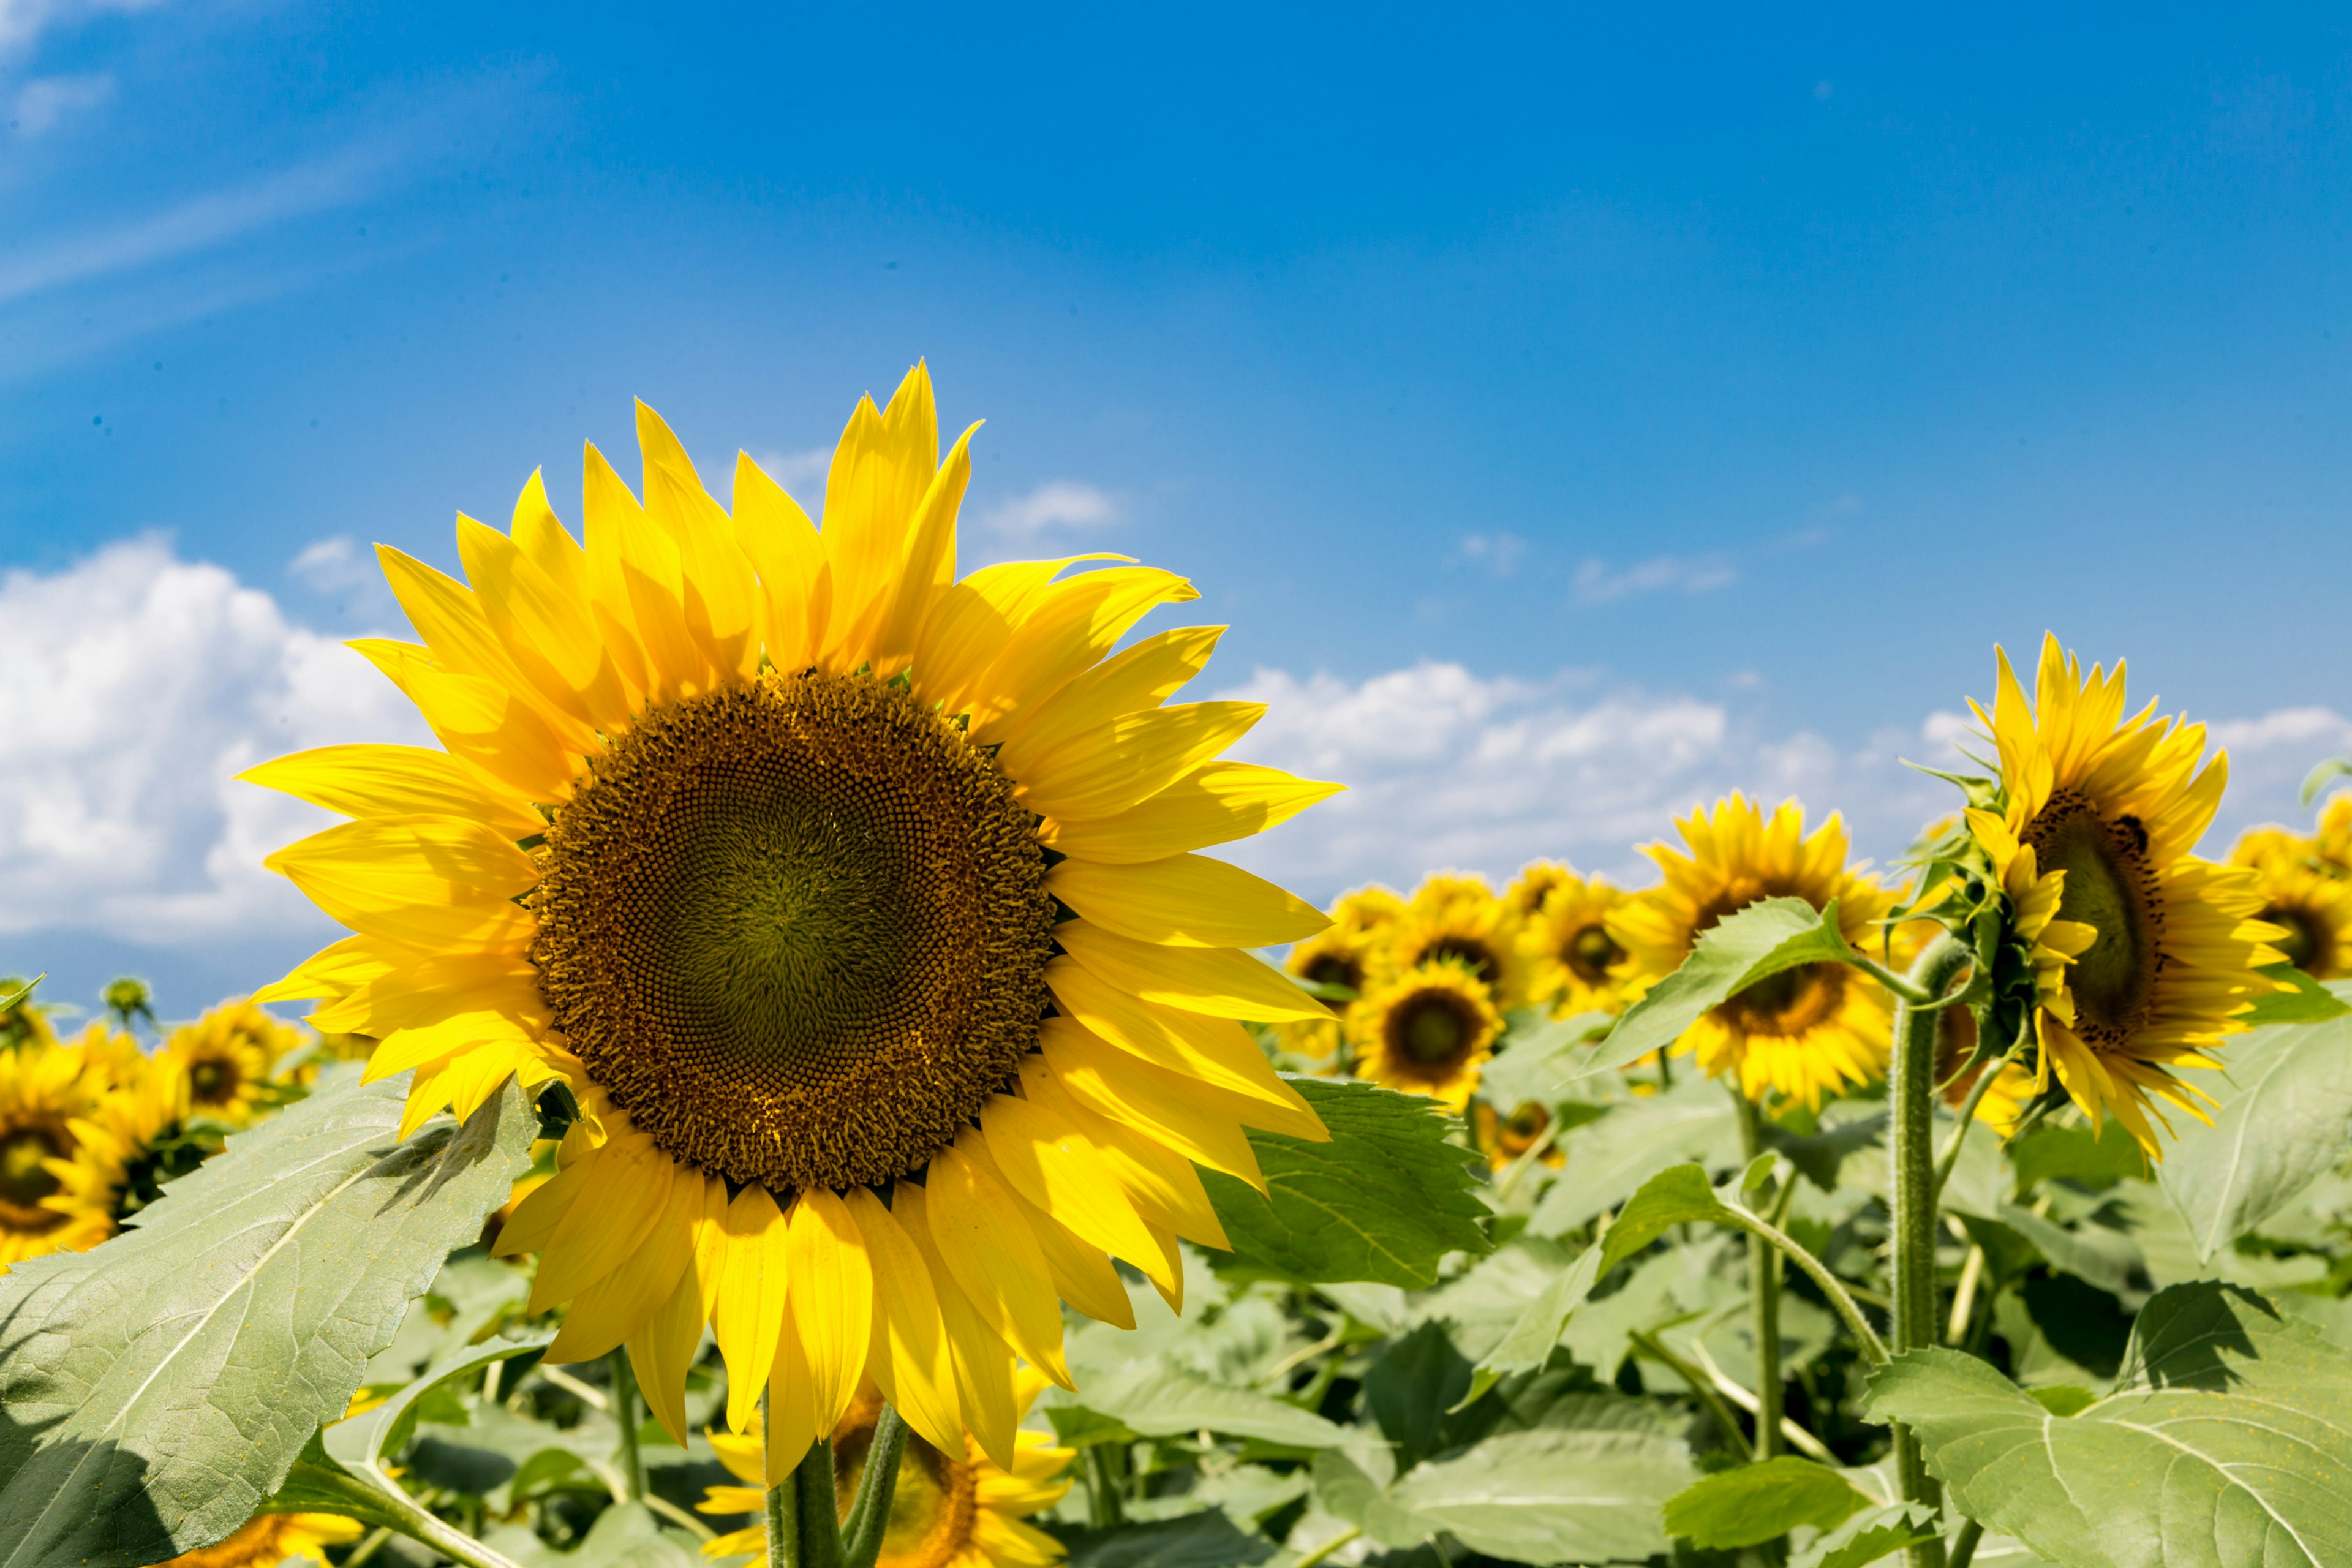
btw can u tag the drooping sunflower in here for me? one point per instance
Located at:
(2313, 911)
(2101, 812)
(1427, 1030)
(959, 1512)
(1575, 964)
(226, 1057)
(44, 1090)
(1805, 1031)
(1456, 918)
(755, 835)
(267, 1539)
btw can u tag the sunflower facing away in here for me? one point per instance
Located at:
(1809, 1031)
(1575, 964)
(2313, 911)
(1425, 1030)
(2101, 811)
(44, 1090)
(1457, 919)
(226, 1057)
(755, 835)
(268, 1538)
(960, 1512)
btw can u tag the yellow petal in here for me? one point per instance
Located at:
(879, 472)
(1164, 1187)
(776, 536)
(461, 1084)
(1202, 1123)
(1215, 804)
(929, 565)
(749, 1314)
(1075, 624)
(605, 1315)
(532, 1223)
(1186, 901)
(450, 620)
(660, 1353)
(1082, 1274)
(396, 781)
(546, 625)
(793, 1425)
(1190, 1044)
(433, 883)
(1132, 758)
(1222, 982)
(339, 969)
(983, 1366)
(969, 624)
(479, 721)
(1140, 677)
(428, 989)
(908, 1357)
(1045, 1160)
(993, 1257)
(644, 559)
(719, 593)
(620, 1203)
(831, 1304)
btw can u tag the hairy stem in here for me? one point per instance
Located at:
(626, 1414)
(1763, 1295)
(784, 1510)
(1103, 1489)
(1701, 1385)
(870, 1516)
(1964, 1549)
(1873, 1349)
(1330, 1546)
(1951, 1155)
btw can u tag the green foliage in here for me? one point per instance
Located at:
(1693, 1120)
(1552, 1495)
(1412, 1391)
(1681, 1196)
(1153, 1400)
(1383, 1201)
(1756, 1503)
(2303, 1000)
(159, 1388)
(2223, 1442)
(1756, 943)
(2094, 1161)
(1870, 1536)
(1202, 1540)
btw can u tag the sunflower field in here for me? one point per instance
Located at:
(797, 1090)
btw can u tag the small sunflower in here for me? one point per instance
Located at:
(130, 1143)
(1368, 909)
(2314, 910)
(268, 1538)
(226, 1057)
(1350, 953)
(1427, 1030)
(1453, 918)
(856, 904)
(2099, 812)
(1503, 1138)
(1813, 1030)
(23, 1025)
(43, 1092)
(1536, 881)
(961, 1512)
(2332, 844)
(1575, 964)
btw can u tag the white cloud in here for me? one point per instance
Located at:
(1498, 553)
(39, 104)
(1596, 584)
(133, 686)
(21, 21)
(801, 473)
(332, 565)
(1446, 769)
(1056, 503)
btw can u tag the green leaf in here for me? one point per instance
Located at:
(2090, 1252)
(1680, 1195)
(1869, 1536)
(1382, 1201)
(1541, 1058)
(1756, 1503)
(375, 1435)
(2063, 1398)
(160, 1387)
(2287, 1121)
(2228, 1440)
(1609, 1160)
(2096, 1161)
(1155, 1400)
(1412, 1387)
(1076, 1426)
(1529, 1341)
(1202, 1540)
(1753, 944)
(625, 1535)
(2086, 1325)
(1552, 1495)
(2308, 1002)
(1819, 1156)
(1346, 1492)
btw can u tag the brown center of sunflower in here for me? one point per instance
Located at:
(2308, 944)
(1467, 951)
(933, 1511)
(1789, 1002)
(1431, 1033)
(1519, 1131)
(797, 929)
(25, 1180)
(1590, 953)
(1335, 969)
(213, 1081)
(2111, 887)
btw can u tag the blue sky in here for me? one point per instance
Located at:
(1574, 411)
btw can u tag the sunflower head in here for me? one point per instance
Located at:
(23, 1025)
(1536, 881)
(1503, 1138)
(1367, 910)
(2144, 955)
(1340, 963)
(132, 1140)
(2332, 842)
(857, 903)
(1427, 1030)
(1457, 919)
(224, 1060)
(268, 1538)
(1574, 964)
(44, 1093)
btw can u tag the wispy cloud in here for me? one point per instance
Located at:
(1498, 553)
(1597, 582)
(21, 21)
(332, 565)
(1056, 503)
(40, 103)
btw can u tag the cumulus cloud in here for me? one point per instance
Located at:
(39, 104)
(1056, 503)
(133, 686)
(1448, 769)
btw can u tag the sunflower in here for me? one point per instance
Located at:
(1575, 965)
(268, 1538)
(1427, 1030)
(1536, 881)
(2314, 910)
(111, 1052)
(760, 838)
(22, 1027)
(2012, 1091)
(1349, 953)
(132, 1141)
(44, 1090)
(1367, 909)
(965, 1513)
(2332, 844)
(1503, 1138)
(226, 1058)
(2099, 812)
(1453, 918)
(1809, 1031)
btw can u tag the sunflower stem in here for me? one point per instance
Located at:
(624, 1412)
(820, 1544)
(1103, 1489)
(1951, 1155)
(1964, 1549)
(1702, 1387)
(1763, 1294)
(870, 1516)
(784, 1510)
(1911, 1099)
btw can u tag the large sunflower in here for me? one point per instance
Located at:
(2104, 810)
(1575, 964)
(44, 1090)
(1808, 1031)
(1427, 1030)
(226, 1057)
(1453, 918)
(268, 1538)
(2314, 910)
(758, 836)
(959, 1512)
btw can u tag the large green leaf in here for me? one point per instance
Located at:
(2287, 1119)
(1152, 1399)
(1203, 1539)
(1753, 944)
(1756, 1503)
(1610, 1159)
(1680, 1195)
(1552, 1495)
(1412, 1387)
(2227, 1441)
(1382, 1202)
(159, 1388)
(1528, 1343)
(1871, 1536)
